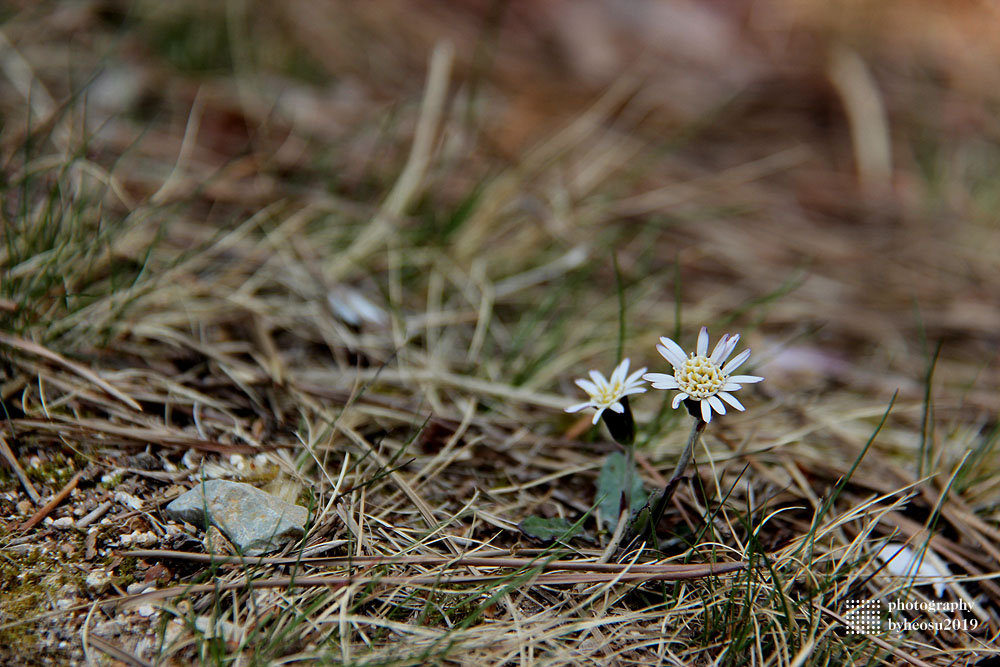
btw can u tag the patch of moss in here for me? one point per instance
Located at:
(128, 571)
(27, 583)
(54, 472)
(18, 640)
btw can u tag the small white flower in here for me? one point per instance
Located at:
(606, 394)
(703, 378)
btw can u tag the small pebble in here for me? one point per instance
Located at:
(63, 523)
(98, 581)
(140, 587)
(128, 500)
(146, 610)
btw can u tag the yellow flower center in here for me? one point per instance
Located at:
(700, 378)
(609, 393)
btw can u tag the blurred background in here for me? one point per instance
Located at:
(826, 173)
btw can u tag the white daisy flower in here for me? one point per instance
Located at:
(605, 394)
(703, 378)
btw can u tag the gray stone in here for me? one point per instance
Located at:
(254, 521)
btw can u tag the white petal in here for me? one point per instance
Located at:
(588, 387)
(706, 411)
(634, 378)
(678, 398)
(598, 378)
(617, 407)
(745, 379)
(729, 398)
(717, 405)
(730, 346)
(578, 407)
(620, 372)
(731, 386)
(597, 416)
(661, 380)
(736, 362)
(629, 391)
(703, 342)
(670, 356)
(671, 351)
(720, 348)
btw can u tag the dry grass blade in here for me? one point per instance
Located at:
(902, 655)
(160, 436)
(435, 581)
(118, 653)
(499, 561)
(82, 371)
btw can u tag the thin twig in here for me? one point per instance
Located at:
(666, 573)
(52, 504)
(371, 561)
(8, 456)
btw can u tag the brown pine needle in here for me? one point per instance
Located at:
(52, 504)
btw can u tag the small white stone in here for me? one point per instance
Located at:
(145, 610)
(128, 500)
(63, 523)
(902, 561)
(140, 587)
(98, 580)
(146, 539)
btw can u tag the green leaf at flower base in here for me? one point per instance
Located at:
(610, 484)
(548, 530)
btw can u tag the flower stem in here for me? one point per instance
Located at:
(682, 462)
(646, 525)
